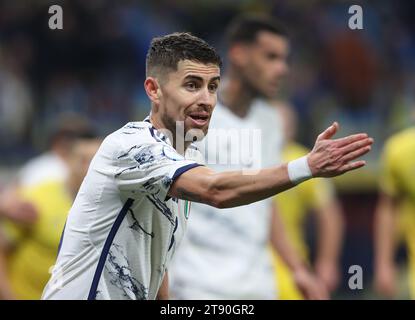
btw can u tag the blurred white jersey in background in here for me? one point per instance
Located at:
(225, 253)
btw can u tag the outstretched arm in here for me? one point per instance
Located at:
(235, 188)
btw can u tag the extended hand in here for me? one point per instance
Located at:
(331, 158)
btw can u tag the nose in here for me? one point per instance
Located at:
(283, 68)
(206, 98)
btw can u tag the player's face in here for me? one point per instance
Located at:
(189, 95)
(265, 63)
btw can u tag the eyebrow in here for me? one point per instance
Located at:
(194, 77)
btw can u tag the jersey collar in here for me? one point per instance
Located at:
(157, 134)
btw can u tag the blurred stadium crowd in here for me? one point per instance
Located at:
(94, 68)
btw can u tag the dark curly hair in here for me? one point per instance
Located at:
(165, 52)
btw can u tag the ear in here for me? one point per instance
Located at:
(152, 88)
(238, 54)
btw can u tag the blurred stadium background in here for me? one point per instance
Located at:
(94, 67)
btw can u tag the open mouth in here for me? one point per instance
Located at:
(199, 118)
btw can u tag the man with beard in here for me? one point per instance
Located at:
(125, 223)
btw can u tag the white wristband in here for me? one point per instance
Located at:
(298, 170)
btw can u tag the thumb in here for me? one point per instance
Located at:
(329, 132)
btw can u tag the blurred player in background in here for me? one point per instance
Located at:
(235, 263)
(50, 165)
(29, 251)
(395, 211)
(316, 196)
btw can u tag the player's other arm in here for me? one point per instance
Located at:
(235, 188)
(163, 293)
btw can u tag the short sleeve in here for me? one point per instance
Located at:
(150, 168)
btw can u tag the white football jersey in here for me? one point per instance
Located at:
(122, 229)
(224, 254)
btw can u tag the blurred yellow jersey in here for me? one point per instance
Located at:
(35, 248)
(397, 179)
(293, 206)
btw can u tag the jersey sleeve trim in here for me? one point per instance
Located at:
(183, 169)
